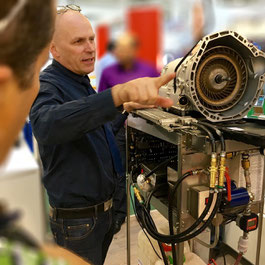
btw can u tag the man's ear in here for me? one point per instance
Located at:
(6, 74)
(54, 51)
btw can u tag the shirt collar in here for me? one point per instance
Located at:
(134, 67)
(82, 79)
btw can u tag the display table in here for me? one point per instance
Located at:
(20, 189)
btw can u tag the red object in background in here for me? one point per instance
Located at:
(102, 39)
(145, 23)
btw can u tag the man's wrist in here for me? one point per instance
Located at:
(115, 91)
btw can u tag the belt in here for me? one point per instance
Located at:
(78, 213)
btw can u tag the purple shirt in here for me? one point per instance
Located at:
(115, 74)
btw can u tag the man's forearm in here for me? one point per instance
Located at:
(143, 91)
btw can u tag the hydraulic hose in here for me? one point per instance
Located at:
(202, 127)
(170, 206)
(170, 212)
(170, 217)
(181, 237)
(189, 233)
(175, 238)
(160, 165)
(160, 245)
(222, 167)
(202, 216)
(218, 132)
(164, 257)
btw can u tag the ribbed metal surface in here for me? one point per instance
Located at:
(226, 64)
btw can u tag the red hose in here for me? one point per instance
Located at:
(228, 182)
(212, 261)
(238, 258)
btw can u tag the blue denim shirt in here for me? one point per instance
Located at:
(68, 120)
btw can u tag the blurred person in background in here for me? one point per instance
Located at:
(71, 124)
(128, 67)
(26, 28)
(203, 20)
(106, 60)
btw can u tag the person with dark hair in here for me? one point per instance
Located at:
(25, 31)
(71, 124)
(26, 28)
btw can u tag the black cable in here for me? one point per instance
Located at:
(147, 206)
(159, 243)
(151, 193)
(202, 215)
(170, 213)
(148, 222)
(170, 206)
(166, 238)
(136, 215)
(175, 239)
(160, 165)
(224, 257)
(170, 217)
(218, 132)
(209, 134)
(179, 64)
(186, 175)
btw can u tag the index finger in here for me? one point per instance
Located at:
(164, 79)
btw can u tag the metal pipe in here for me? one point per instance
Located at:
(128, 182)
(261, 217)
(216, 238)
(128, 221)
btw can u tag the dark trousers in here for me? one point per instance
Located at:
(90, 238)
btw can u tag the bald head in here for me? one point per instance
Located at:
(127, 39)
(126, 49)
(73, 43)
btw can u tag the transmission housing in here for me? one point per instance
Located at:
(221, 78)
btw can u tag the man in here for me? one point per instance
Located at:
(26, 28)
(128, 67)
(75, 141)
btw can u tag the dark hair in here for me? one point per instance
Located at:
(111, 46)
(25, 37)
